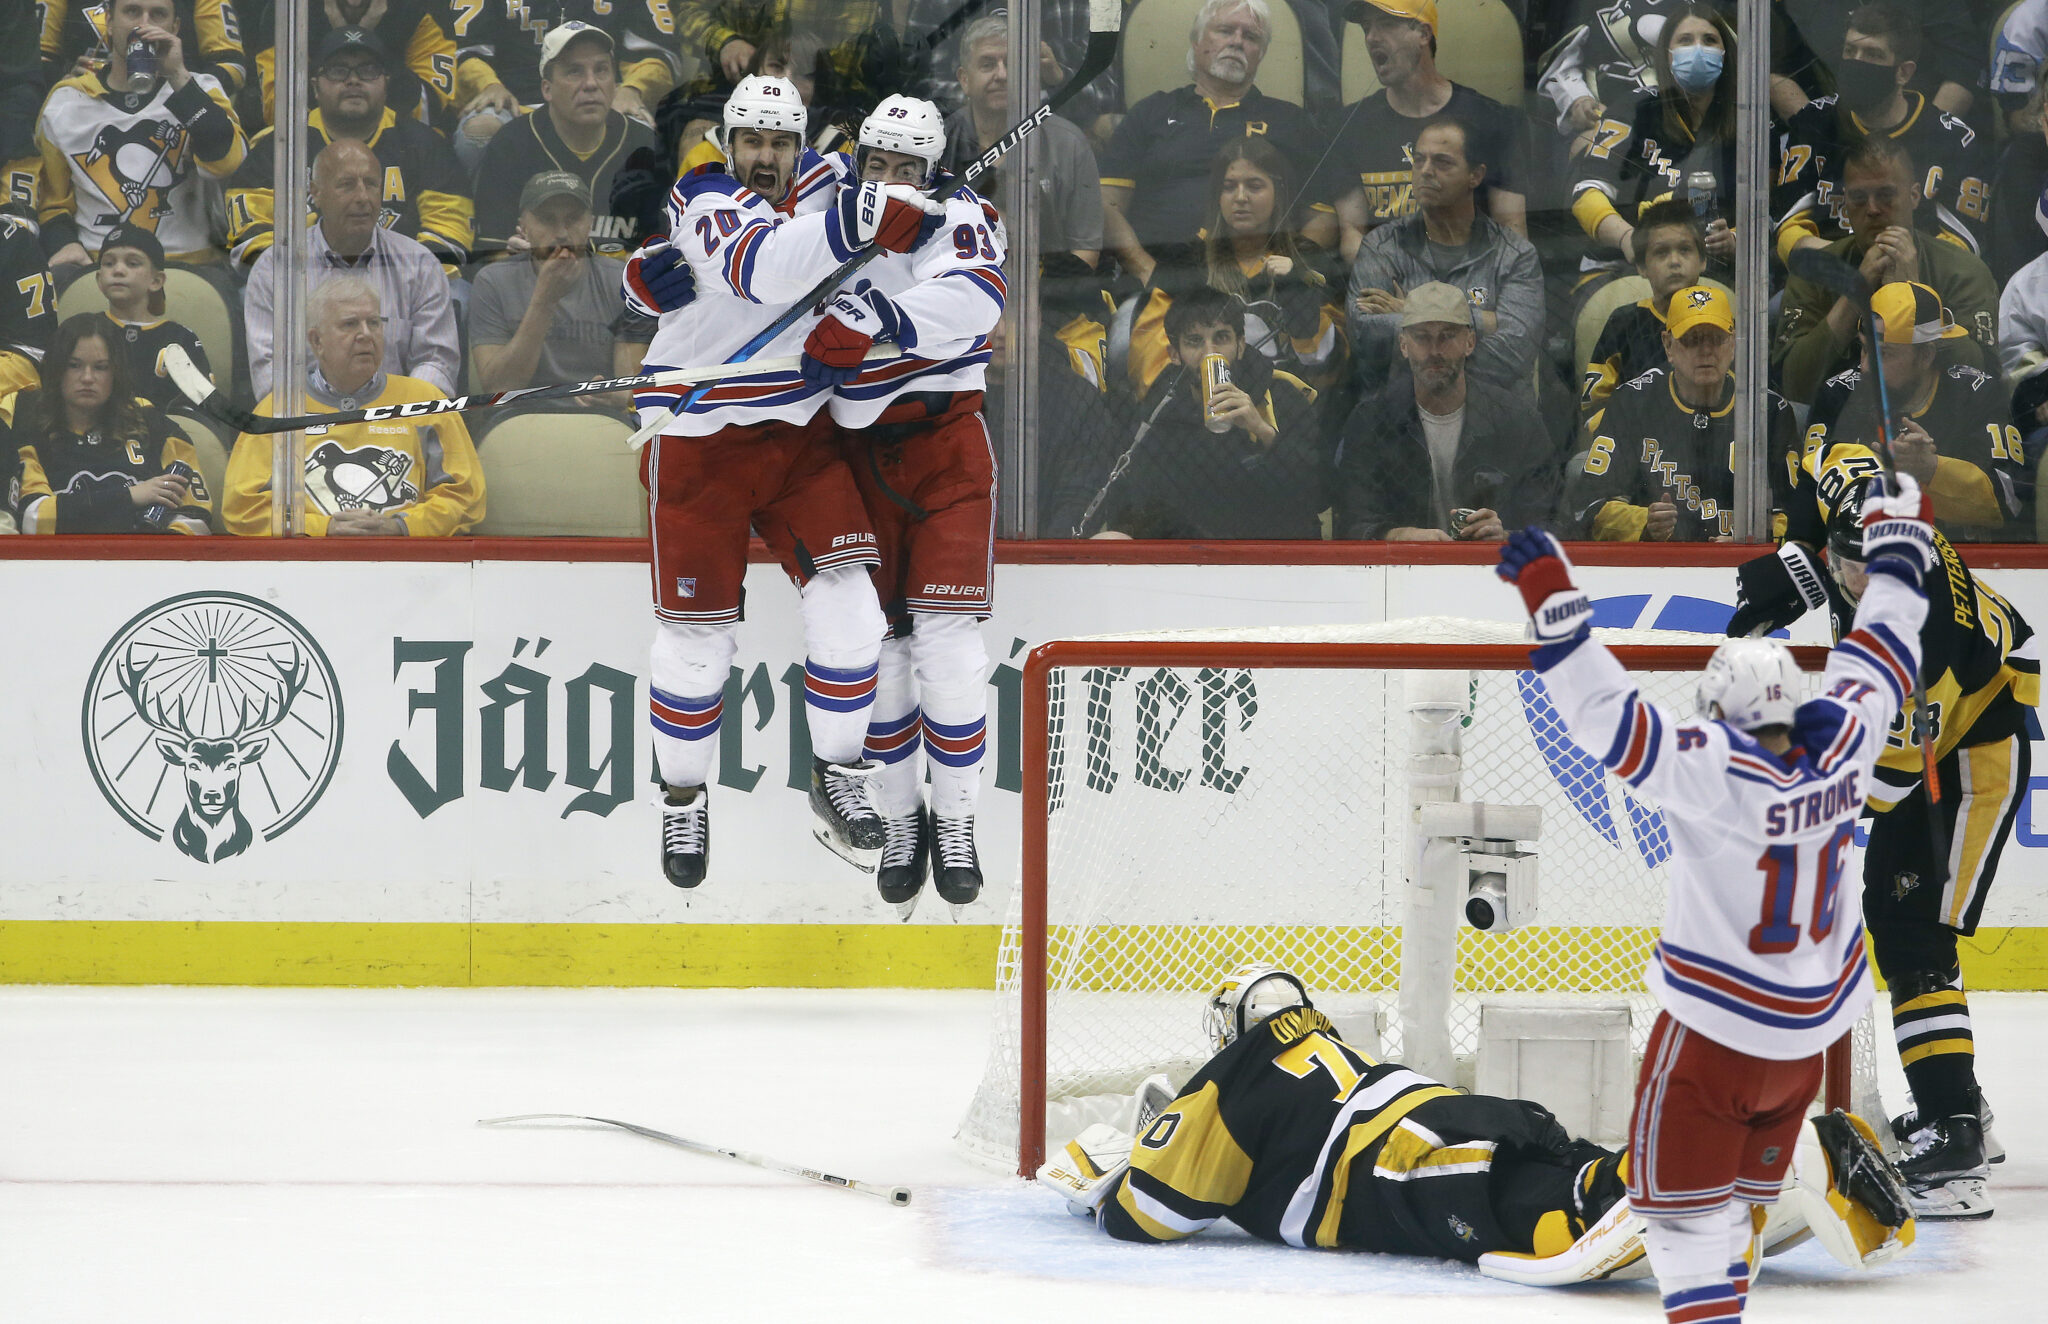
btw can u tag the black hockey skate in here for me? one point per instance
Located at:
(906, 860)
(847, 824)
(956, 871)
(686, 838)
(1945, 1177)
(1907, 1128)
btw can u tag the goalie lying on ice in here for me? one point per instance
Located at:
(1297, 1137)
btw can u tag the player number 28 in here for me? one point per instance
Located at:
(1775, 931)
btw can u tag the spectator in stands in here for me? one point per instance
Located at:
(1671, 252)
(425, 193)
(1079, 444)
(23, 85)
(348, 193)
(1681, 142)
(1251, 252)
(1658, 466)
(2018, 230)
(1155, 172)
(1951, 62)
(111, 154)
(131, 277)
(93, 457)
(1599, 70)
(426, 88)
(1447, 239)
(1239, 459)
(2023, 351)
(575, 130)
(864, 57)
(1373, 145)
(75, 37)
(1880, 192)
(389, 479)
(938, 48)
(1441, 456)
(28, 305)
(553, 312)
(1070, 190)
(1955, 432)
(1879, 56)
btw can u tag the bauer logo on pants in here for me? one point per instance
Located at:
(212, 719)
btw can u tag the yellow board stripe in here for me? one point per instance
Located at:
(1908, 1056)
(773, 955)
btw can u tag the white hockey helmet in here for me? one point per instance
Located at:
(761, 102)
(907, 125)
(1248, 995)
(1755, 681)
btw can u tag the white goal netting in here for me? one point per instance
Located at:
(1241, 808)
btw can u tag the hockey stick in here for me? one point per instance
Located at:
(896, 1195)
(1832, 272)
(212, 401)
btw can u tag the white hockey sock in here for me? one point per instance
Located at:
(952, 688)
(1690, 1257)
(895, 726)
(686, 697)
(843, 629)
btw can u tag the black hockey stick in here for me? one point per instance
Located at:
(896, 1195)
(1832, 272)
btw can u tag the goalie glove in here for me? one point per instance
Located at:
(1535, 563)
(894, 217)
(1776, 589)
(658, 279)
(1089, 1168)
(1898, 528)
(853, 322)
(1850, 1195)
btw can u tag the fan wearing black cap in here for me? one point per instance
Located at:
(426, 86)
(131, 276)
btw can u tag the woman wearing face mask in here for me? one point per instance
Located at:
(1680, 145)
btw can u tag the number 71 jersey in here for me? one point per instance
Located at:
(1762, 945)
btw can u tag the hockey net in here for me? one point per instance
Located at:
(1196, 800)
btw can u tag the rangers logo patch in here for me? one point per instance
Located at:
(686, 588)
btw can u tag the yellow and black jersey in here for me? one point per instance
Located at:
(209, 30)
(414, 31)
(1630, 345)
(426, 195)
(28, 305)
(498, 41)
(66, 483)
(143, 344)
(1951, 163)
(1980, 485)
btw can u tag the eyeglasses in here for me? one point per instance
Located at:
(353, 73)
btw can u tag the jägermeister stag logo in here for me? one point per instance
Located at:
(212, 719)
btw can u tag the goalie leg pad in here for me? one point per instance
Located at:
(1089, 1168)
(1613, 1247)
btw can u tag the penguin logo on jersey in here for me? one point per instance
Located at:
(366, 478)
(134, 166)
(211, 721)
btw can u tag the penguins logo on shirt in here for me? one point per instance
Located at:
(134, 166)
(366, 478)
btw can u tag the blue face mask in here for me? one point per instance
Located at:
(1695, 68)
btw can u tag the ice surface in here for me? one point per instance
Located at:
(312, 1155)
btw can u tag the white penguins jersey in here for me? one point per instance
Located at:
(752, 260)
(950, 291)
(1762, 945)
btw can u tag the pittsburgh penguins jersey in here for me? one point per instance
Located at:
(414, 31)
(152, 159)
(1953, 166)
(28, 305)
(67, 483)
(426, 193)
(425, 472)
(1981, 667)
(1630, 345)
(1980, 484)
(1630, 165)
(210, 32)
(1276, 1133)
(1647, 444)
(143, 344)
(498, 41)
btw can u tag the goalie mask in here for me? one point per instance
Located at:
(905, 125)
(1248, 995)
(1755, 682)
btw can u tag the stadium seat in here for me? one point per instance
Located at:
(561, 474)
(190, 299)
(1479, 44)
(1616, 293)
(213, 458)
(1155, 50)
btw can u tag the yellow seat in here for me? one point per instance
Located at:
(1155, 50)
(189, 299)
(1478, 43)
(213, 458)
(1617, 293)
(553, 475)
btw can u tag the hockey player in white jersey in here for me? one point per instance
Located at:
(921, 456)
(1760, 964)
(756, 452)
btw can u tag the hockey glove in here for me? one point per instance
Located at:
(895, 217)
(1773, 591)
(1898, 528)
(853, 322)
(1535, 563)
(1089, 1168)
(658, 279)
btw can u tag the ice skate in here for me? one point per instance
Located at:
(957, 869)
(1907, 1129)
(847, 824)
(906, 860)
(1946, 1175)
(685, 837)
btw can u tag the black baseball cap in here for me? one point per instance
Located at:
(351, 41)
(135, 237)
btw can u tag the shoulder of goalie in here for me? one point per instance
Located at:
(1776, 589)
(1088, 1169)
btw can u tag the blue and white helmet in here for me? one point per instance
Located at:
(762, 102)
(1248, 995)
(1755, 682)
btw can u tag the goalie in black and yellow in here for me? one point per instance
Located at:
(1300, 1138)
